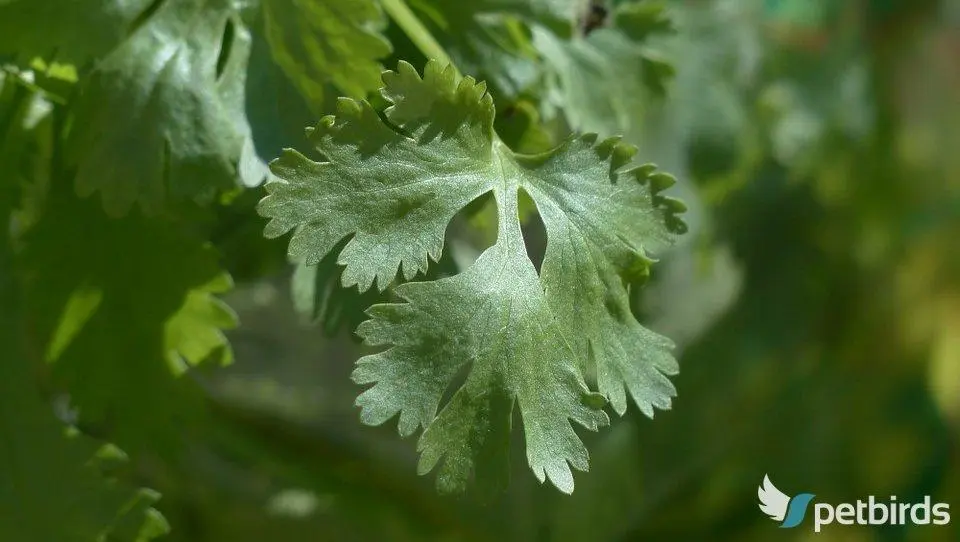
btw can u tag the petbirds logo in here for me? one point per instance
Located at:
(780, 507)
(790, 511)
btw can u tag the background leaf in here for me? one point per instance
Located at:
(147, 289)
(50, 488)
(320, 41)
(178, 81)
(71, 31)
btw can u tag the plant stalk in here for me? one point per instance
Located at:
(408, 21)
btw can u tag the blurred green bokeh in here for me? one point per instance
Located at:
(815, 304)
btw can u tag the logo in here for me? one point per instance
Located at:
(780, 507)
(790, 511)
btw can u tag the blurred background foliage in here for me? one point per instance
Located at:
(815, 300)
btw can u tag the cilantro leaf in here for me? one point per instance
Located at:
(327, 40)
(616, 58)
(133, 309)
(71, 31)
(492, 38)
(528, 340)
(162, 115)
(317, 296)
(485, 38)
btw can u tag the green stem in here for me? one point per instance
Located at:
(408, 21)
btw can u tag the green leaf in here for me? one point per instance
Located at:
(50, 487)
(486, 37)
(615, 59)
(317, 295)
(162, 115)
(124, 306)
(520, 127)
(319, 298)
(71, 31)
(528, 340)
(492, 38)
(319, 41)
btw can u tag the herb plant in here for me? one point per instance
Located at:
(129, 133)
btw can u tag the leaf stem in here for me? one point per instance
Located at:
(408, 21)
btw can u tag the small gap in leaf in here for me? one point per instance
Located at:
(457, 382)
(477, 205)
(533, 229)
(144, 16)
(472, 230)
(226, 45)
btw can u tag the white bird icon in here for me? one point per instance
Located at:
(773, 502)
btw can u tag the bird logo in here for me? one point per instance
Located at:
(780, 506)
